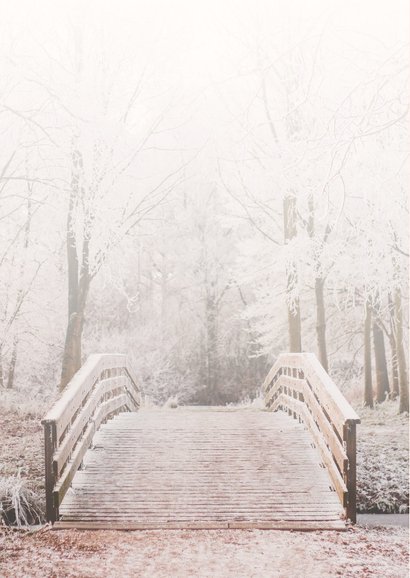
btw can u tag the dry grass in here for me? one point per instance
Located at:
(19, 505)
(21, 457)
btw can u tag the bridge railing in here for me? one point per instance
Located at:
(299, 385)
(104, 386)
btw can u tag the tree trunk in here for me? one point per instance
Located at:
(293, 306)
(295, 342)
(212, 344)
(73, 341)
(319, 291)
(321, 322)
(382, 374)
(164, 294)
(12, 366)
(401, 356)
(72, 348)
(368, 386)
(1, 369)
(393, 347)
(78, 280)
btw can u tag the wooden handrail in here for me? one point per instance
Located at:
(298, 384)
(104, 386)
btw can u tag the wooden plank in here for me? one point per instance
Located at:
(325, 427)
(133, 378)
(104, 387)
(65, 426)
(314, 371)
(350, 475)
(302, 526)
(194, 505)
(50, 443)
(68, 474)
(325, 454)
(330, 414)
(272, 373)
(156, 468)
(329, 394)
(71, 399)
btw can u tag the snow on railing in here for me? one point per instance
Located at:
(104, 386)
(298, 384)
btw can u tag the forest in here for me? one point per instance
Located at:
(205, 187)
(203, 210)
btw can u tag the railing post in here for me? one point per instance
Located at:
(50, 439)
(350, 474)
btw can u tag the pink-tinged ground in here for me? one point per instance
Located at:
(357, 553)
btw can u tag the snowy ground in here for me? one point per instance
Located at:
(205, 554)
(383, 460)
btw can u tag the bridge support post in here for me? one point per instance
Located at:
(350, 474)
(50, 439)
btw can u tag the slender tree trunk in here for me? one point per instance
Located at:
(12, 366)
(319, 291)
(293, 305)
(202, 366)
(1, 369)
(394, 370)
(393, 347)
(78, 279)
(72, 348)
(401, 356)
(368, 386)
(321, 322)
(211, 345)
(294, 323)
(164, 293)
(382, 374)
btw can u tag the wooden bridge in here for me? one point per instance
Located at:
(111, 463)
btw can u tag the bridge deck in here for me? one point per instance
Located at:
(202, 468)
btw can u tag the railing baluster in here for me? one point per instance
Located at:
(350, 473)
(50, 439)
(298, 385)
(103, 387)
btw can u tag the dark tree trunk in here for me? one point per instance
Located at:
(212, 355)
(78, 279)
(368, 385)
(294, 319)
(401, 356)
(382, 374)
(393, 347)
(319, 291)
(295, 340)
(321, 322)
(1, 370)
(12, 366)
(72, 348)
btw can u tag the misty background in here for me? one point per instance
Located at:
(203, 185)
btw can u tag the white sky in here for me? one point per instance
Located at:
(202, 26)
(195, 46)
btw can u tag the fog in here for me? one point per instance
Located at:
(203, 185)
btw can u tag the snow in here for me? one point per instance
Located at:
(383, 460)
(205, 554)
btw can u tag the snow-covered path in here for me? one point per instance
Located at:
(358, 553)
